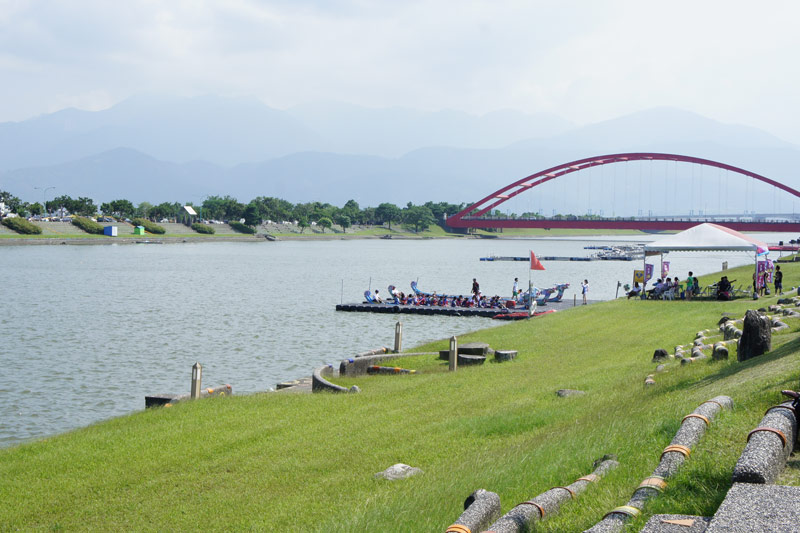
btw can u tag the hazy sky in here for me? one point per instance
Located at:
(733, 61)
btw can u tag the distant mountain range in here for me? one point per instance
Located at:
(154, 148)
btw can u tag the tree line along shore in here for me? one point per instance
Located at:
(308, 462)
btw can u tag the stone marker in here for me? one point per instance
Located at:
(398, 471)
(660, 355)
(564, 393)
(756, 336)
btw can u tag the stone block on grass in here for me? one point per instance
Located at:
(467, 360)
(505, 355)
(756, 336)
(565, 393)
(660, 355)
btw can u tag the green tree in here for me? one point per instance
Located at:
(303, 223)
(36, 209)
(143, 210)
(343, 220)
(11, 201)
(84, 206)
(418, 216)
(251, 215)
(325, 223)
(388, 213)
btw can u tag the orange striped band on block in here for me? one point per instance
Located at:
(778, 432)
(714, 401)
(677, 448)
(571, 492)
(541, 509)
(591, 478)
(695, 415)
(633, 512)
(458, 528)
(653, 482)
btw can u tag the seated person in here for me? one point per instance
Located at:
(635, 291)
(657, 289)
(724, 289)
(378, 298)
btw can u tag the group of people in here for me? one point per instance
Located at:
(667, 288)
(723, 290)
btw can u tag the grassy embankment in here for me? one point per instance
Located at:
(306, 462)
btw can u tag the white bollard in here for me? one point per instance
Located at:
(197, 378)
(453, 354)
(398, 337)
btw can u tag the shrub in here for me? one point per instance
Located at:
(20, 225)
(150, 227)
(203, 228)
(87, 225)
(242, 228)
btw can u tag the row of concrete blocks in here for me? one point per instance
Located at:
(482, 508)
(753, 503)
(692, 429)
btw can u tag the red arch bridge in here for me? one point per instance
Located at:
(475, 216)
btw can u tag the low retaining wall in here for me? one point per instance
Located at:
(320, 384)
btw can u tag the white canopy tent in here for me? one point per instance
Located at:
(707, 238)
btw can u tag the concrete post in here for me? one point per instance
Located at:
(398, 337)
(453, 354)
(197, 378)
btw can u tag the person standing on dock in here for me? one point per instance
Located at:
(515, 289)
(585, 290)
(476, 289)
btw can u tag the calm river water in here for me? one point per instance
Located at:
(87, 331)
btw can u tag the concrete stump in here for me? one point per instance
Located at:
(474, 348)
(756, 336)
(505, 355)
(466, 360)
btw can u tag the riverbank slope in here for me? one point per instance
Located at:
(306, 462)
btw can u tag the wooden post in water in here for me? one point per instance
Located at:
(453, 354)
(398, 337)
(197, 378)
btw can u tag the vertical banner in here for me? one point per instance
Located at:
(638, 276)
(664, 269)
(648, 272)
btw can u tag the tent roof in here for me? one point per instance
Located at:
(707, 238)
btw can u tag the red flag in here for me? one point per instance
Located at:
(535, 264)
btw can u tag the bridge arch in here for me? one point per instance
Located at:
(469, 217)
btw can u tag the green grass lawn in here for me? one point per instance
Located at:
(306, 462)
